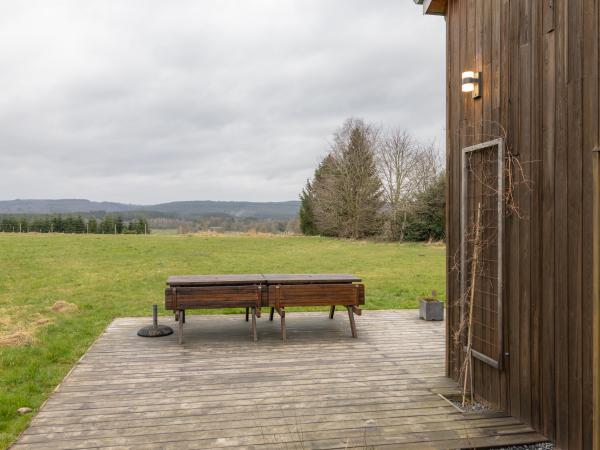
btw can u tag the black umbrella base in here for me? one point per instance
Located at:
(155, 331)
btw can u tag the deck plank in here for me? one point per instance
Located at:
(321, 389)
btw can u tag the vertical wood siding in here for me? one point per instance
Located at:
(596, 305)
(540, 68)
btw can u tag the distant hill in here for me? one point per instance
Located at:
(187, 210)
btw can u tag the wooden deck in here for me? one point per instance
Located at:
(321, 389)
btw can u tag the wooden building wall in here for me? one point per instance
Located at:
(540, 90)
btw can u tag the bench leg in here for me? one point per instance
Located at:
(283, 331)
(176, 316)
(271, 314)
(254, 333)
(183, 315)
(180, 328)
(247, 312)
(331, 311)
(352, 324)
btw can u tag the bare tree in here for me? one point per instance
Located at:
(427, 167)
(406, 168)
(396, 159)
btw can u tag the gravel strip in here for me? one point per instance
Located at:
(541, 446)
(470, 407)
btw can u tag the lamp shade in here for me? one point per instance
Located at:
(471, 82)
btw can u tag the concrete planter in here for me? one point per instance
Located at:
(431, 310)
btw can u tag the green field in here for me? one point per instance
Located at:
(97, 278)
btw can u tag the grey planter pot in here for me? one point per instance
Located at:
(431, 310)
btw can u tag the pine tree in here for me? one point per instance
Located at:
(57, 224)
(346, 190)
(358, 182)
(427, 217)
(325, 201)
(119, 225)
(36, 225)
(23, 225)
(78, 225)
(143, 226)
(69, 225)
(40, 225)
(92, 225)
(307, 219)
(46, 224)
(107, 225)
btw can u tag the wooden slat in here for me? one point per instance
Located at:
(453, 162)
(245, 279)
(590, 129)
(208, 297)
(215, 280)
(561, 236)
(596, 252)
(502, 11)
(512, 243)
(316, 295)
(536, 213)
(596, 299)
(523, 262)
(574, 221)
(548, 96)
(296, 278)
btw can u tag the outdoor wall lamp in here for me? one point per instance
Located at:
(471, 82)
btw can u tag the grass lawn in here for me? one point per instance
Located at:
(96, 278)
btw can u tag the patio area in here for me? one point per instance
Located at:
(321, 389)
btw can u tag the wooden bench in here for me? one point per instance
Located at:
(315, 290)
(252, 292)
(214, 292)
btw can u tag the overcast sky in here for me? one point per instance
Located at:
(155, 101)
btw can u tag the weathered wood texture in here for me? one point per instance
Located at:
(329, 278)
(215, 280)
(596, 308)
(210, 297)
(316, 295)
(235, 291)
(322, 389)
(269, 278)
(540, 91)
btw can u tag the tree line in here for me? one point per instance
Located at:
(73, 224)
(375, 182)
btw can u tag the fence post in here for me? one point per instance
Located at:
(596, 295)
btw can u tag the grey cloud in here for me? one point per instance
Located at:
(149, 101)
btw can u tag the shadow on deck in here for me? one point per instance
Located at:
(321, 389)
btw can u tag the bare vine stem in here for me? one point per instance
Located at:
(476, 251)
